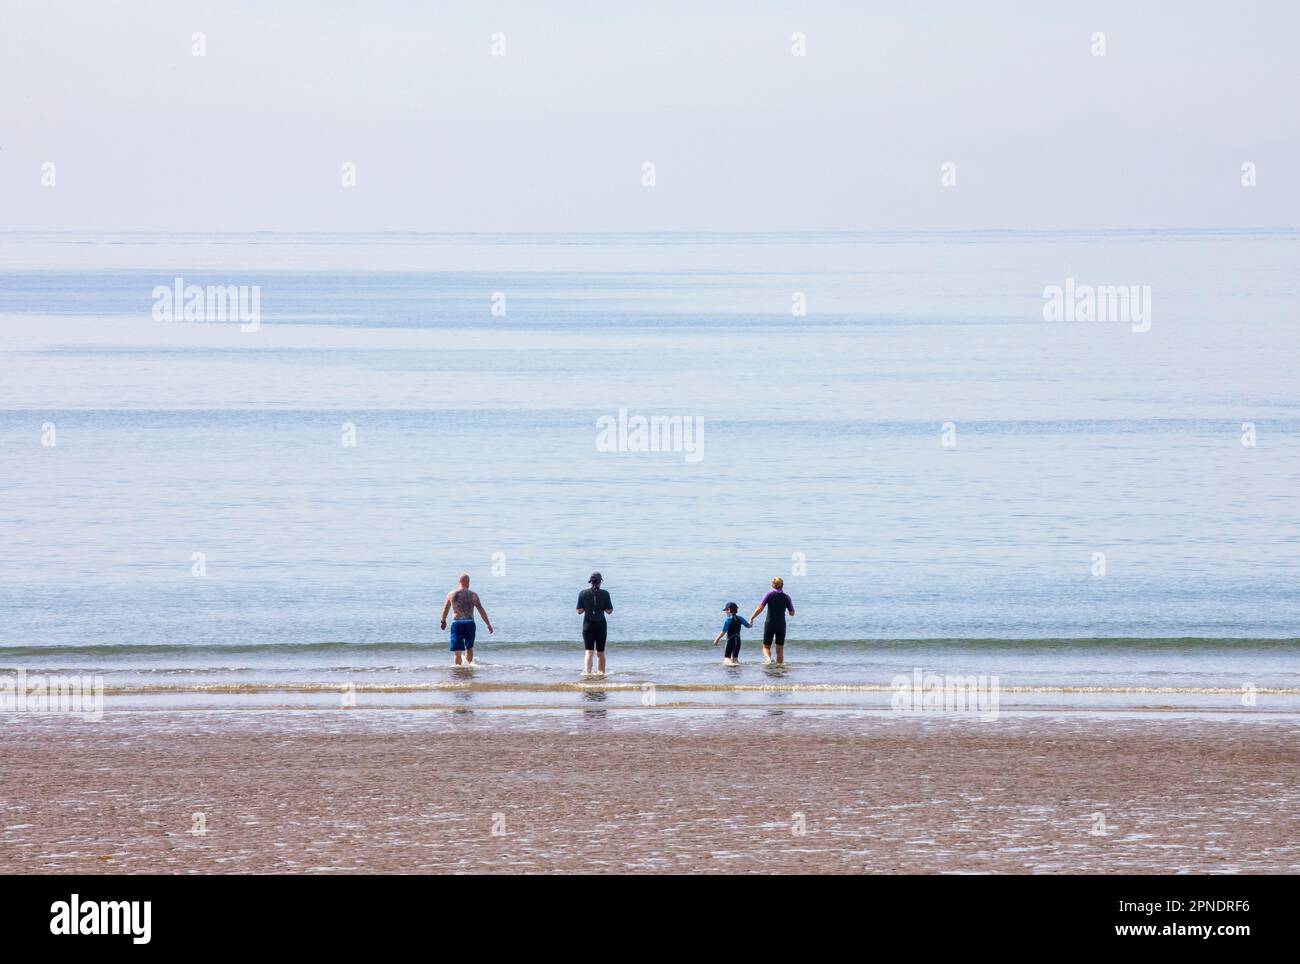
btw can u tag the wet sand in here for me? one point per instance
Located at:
(435, 792)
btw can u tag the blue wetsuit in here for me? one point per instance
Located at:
(731, 626)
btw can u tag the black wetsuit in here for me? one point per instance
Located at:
(593, 603)
(778, 603)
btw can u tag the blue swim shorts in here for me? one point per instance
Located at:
(462, 634)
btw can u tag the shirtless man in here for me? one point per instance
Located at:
(462, 603)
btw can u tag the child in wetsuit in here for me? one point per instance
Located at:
(731, 629)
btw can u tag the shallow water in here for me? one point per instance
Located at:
(326, 563)
(1240, 676)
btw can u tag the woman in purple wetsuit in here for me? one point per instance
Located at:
(777, 603)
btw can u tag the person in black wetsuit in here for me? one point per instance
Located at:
(594, 603)
(777, 603)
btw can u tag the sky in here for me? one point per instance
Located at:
(744, 136)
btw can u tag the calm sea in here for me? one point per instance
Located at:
(944, 479)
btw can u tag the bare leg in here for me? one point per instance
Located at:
(780, 654)
(600, 662)
(456, 658)
(469, 655)
(586, 661)
(767, 654)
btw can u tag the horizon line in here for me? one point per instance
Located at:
(645, 233)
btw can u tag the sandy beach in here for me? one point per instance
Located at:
(729, 792)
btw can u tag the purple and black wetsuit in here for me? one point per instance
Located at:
(777, 604)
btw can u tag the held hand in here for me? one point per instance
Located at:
(489, 630)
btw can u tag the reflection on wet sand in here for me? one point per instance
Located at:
(594, 713)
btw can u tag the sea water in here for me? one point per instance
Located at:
(943, 478)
